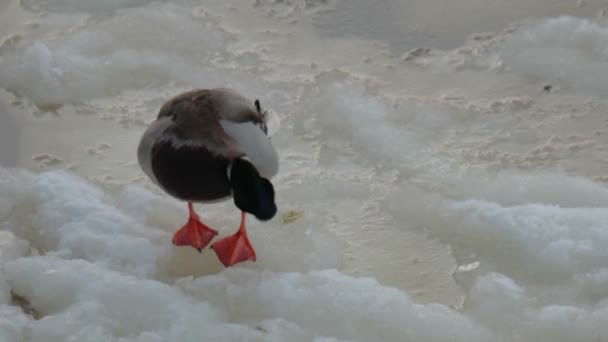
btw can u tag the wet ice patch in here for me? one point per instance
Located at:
(10, 135)
(568, 51)
(349, 115)
(512, 188)
(282, 9)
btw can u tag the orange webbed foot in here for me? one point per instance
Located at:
(235, 248)
(194, 233)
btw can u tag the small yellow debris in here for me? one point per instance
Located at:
(291, 216)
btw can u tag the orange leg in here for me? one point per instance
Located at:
(235, 248)
(194, 233)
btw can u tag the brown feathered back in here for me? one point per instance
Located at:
(197, 116)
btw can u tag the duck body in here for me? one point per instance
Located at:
(197, 135)
(192, 174)
(210, 145)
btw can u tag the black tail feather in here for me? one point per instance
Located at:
(251, 192)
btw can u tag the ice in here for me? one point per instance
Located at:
(372, 128)
(11, 248)
(113, 55)
(105, 275)
(9, 138)
(554, 188)
(542, 265)
(566, 51)
(13, 321)
(239, 303)
(73, 219)
(13, 324)
(101, 279)
(84, 6)
(507, 308)
(362, 158)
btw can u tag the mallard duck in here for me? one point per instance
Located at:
(210, 145)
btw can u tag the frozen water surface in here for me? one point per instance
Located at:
(443, 178)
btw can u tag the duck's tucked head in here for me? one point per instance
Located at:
(251, 192)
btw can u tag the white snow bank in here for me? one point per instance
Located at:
(567, 51)
(13, 321)
(532, 251)
(13, 324)
(135, 48)
(86, 302)
(110, 274)
(64, 6)
(63, 215)
(517, 315)
(107, 275)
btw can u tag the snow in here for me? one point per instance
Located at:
(392, 175)
(565, 50)
(114, 54)
(102, 278)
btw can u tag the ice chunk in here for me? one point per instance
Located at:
(84, 300)
(135, 48)
(568, 50)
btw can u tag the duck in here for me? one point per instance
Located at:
(211, 145)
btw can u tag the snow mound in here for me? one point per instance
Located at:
(567, 51)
